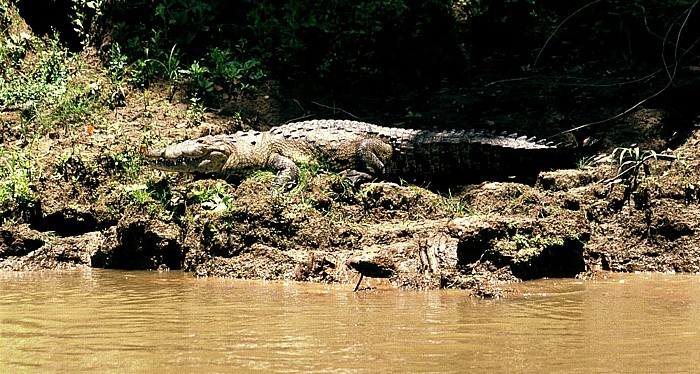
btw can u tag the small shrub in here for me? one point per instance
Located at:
(18, 174)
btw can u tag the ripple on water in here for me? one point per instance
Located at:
(148, 321)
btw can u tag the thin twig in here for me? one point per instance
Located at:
(357, 286)
(559, 26)
(636, 80)
(334, 108)
(687, 13)
(671, 77)
(621, 114)
(511, 80)
(652, 33)
(299, 105)
(300, 118)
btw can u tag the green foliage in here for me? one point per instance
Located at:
(184, 20)
(117, 64)
(36, 80)
(150, 41)
(523, 247)
(86, 12)
(29, 84)
(138, 193)
(127, 164)
(585, 162)
(456, 206)
(156, 197)
(18, 174)
(229, 46)
(465, 9)
(634, 174)
(341, 37)
(77, 106)
(72, 168)
(195, 112)
(216, 199)
(631, 161)
(200, 82)
(234, 73)
(169, 68)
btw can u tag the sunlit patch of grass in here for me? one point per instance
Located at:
(18, 175)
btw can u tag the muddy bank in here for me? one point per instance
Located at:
(482, 237)
(97, 205)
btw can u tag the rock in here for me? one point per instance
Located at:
(140, 244)
(373, 264)
(19, 240)
(563, 180)
(548, 247)
(257, 262)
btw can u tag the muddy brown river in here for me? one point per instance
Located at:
(115, 321)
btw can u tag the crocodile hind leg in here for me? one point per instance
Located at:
(370, 157)
(372, 154)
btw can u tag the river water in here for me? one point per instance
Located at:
(116, 321)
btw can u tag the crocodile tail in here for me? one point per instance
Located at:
(468, 155)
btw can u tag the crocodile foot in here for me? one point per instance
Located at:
(355, 177)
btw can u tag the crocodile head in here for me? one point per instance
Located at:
(204, 155)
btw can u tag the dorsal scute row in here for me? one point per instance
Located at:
(327, 130)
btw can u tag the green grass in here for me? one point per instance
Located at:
(31, 83)
(456, 206)
(18, 175)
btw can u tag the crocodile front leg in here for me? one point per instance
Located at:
(287, 172)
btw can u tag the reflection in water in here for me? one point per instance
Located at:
(102, 320)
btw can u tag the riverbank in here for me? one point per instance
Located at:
(98, 206)
(75, 192)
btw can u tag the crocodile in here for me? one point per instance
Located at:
(362, 149)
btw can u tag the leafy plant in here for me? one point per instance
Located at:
(585, 162)
(216, 199)
(38, 82)
(200, 84)
(127, 164)
(18, 173)
(139, 193)
(170, 68)
(630, 162)
(232, 73)
(195, 112)
(117, 64)
(85, 12)
(633, 170)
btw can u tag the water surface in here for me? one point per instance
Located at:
(115, 321)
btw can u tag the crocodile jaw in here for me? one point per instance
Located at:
(188, 157)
